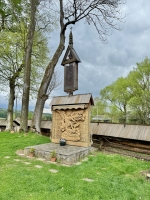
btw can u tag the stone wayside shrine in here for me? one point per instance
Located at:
(71, 117)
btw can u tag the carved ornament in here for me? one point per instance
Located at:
(70, 124)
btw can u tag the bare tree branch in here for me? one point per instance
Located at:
(103, 14)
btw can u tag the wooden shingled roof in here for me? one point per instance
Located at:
(3, 122)
(70, 100)
(135, 132)
(44, 123)
(70, 56)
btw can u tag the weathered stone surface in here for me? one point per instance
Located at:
(66, 165)
(53, 170)
(87, 179)
(65, 154)
(17, 160)
(27, 163)
(38, 166)
(148, 176)
(7, 157)
(21, 154)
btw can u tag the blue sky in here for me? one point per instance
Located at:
(102, 63)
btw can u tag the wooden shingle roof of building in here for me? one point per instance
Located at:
(70, 100)
(3, 122)
(44, 123)
(135, 132)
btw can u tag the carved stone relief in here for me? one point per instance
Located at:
(70, 124)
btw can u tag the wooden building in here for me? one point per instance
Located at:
(127, 139)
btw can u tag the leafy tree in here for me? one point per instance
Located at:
(11, 14)
(140, 88)
(10, 67)
(118, 96)
(129, 98)
(100, 108)
(27, 66)
(36, 23)
(103, 14)
(12, 51)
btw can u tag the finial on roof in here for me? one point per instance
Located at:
(71, 37)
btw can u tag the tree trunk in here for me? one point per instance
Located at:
(10, 106)
(27, 69)
(37, 116)
(42, 97)
(48, 76)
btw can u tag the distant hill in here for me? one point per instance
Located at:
(3, 114)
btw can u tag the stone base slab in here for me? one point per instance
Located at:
(65, 154)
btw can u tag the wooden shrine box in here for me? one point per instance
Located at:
(70, 63)
(71, 119)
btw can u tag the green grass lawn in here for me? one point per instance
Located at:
(115, 177)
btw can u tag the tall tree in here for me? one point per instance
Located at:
(118, 95)
(27, 66)
(40, 21)
(103, 14)
(99, 108)
(11, 55)
(11, 13)
(11, 64)
(129, 98)
(14, 21)
(140, 88)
